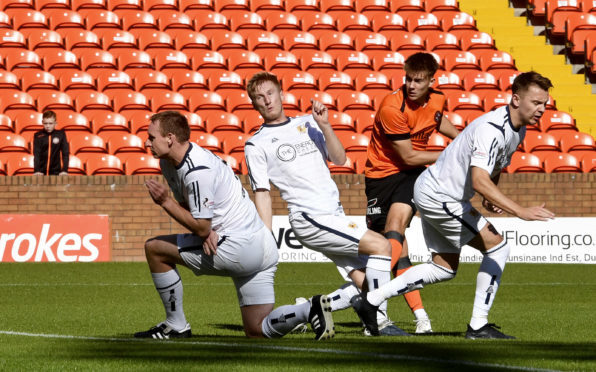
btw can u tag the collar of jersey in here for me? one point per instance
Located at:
(185, 156)
(509, 120)
(277, 125)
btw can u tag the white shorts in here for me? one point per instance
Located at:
(447, 226)
(249, 259)
(336, 236)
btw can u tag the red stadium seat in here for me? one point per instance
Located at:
(561, 163)
(19, 164)
(104, 121)
(540, 142)
(81, 142)
(329, 79)
(525, 163)
(140, 164)
(16, 101)
(98, 164)
(122, 143)
(183, 79)
(37, 80)
(12, 142)
(555, 120)
(576, 141)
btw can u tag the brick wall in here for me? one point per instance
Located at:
(134, 217)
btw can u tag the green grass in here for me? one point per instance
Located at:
(82, 316)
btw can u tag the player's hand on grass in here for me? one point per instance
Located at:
(491, 207)
(210, 244)
(320, 112)
(536, 213)
(158, 191)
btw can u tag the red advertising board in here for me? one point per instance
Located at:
(54, 238)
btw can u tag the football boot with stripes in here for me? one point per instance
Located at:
(162, 331)
(320, 318)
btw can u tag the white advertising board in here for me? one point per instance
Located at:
(562, 240)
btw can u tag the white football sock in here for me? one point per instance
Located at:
(284, 318)
(340, 298)
(378, 273)
(487, 283)
(169, 287)
(415, 278)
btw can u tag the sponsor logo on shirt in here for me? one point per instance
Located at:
(286, 152)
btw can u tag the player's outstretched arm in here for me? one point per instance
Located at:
(264, 209)
(447, 128)
(337, 153)
(161, 196)
(486, 187)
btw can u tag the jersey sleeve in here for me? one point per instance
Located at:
(488, 144)
(256, 162)
(394, 123)
(200, 188)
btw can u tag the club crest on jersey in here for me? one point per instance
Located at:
(286, 152)
(55, 140)
(301, 128)
(352, 225)
(438, 117)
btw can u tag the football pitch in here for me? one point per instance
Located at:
(82, 317)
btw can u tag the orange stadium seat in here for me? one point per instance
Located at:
(442, 40)
(457, 60)
(41, 38)
(61, 60)
(373, 81)
(73, 121)
(448, 80)
(98, 164)
(207, 59)
(437, 142)
(290, 103)
(232, 5)
(133, 18)
(138, 120)
(342, 121)
(233, 142)
(353, 142)
(206, 101)
(441, 5)
(27, 18)
(16, 100)
(472, 40)
(407, 5)
(280, 60)
(323, 97)
(315, 59)
(185, 5)
(579, 21)
(571, 142)
(301, 80)
(462, 100)
(90, 100)
(337, 6)
(222, 121)
(209, 19)
(133, 59)
(12, 142)
(295, 39)
(76, 166)
(330, 79)
(373, 6)
(366, 41)
(19, 164)
(477, 80)
(114, 38)
(65, 18)
(183, 79)
(125, 4)
(535, 142)
(118, 143)
(170, 20)
(354, 101)
(5, 21)
(75, 38)
(318, 21)
(349, 167)
(104, 121)
(163, 100)
(351, 21)
(243, 20)
(493, 99)
(387, 22)
(555, 120)
(23, 59)
(170, 59)
(251, 120)
(457, 21)
(186, 39)
(6, 124)
(456, 119)
(263, 40)
(279, 20)
(223, 39)
(582, 42)
(81, 142)
(151, 39)
(12, 39)
(557, 12)
(264, 5)
(561, 163)
(9, 80)
(302, 5)
(419, 21)
(588, 162)
(74, 79)
(403, 40)
(10, 4)
(494, 59)
(351, 60)
(206, 141)
(137, 164)
(587, 6)
(383, 60)
(244, 62)
(27, 121)
(505, 78)
(37, 80)
(149, 79)
(100, 19)
(160, 5)
(127, 100)
(88, 4)
(525, 163)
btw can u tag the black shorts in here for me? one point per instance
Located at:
(381, 193)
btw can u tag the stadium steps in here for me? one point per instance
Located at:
(513, 35)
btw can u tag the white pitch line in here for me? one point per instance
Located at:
(286, 348)
(537, 284)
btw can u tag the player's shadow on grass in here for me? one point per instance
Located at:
(357, 327)
(229, 327)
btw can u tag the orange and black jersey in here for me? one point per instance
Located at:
(399, 119)
(50, 152)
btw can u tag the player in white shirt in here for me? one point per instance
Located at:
(471, 163)
(292, 154)
(227, 238)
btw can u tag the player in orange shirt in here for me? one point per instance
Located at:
(397, 155)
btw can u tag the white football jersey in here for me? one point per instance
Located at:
(488, 143)
(292, 155)
(212, 190)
